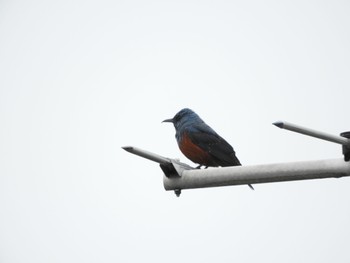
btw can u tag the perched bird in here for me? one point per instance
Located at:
(200, 143)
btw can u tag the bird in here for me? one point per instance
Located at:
(200, 143)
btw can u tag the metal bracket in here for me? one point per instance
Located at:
(175, 169)
(172, 168)
(346, 148)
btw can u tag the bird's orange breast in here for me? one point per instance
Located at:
(192, 151)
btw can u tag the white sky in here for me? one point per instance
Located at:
(80, 79)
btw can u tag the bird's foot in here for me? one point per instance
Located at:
(199, 166)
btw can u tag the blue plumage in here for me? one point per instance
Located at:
(200, 143)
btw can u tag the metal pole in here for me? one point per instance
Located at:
(148, 155)
(254, 174)
(181, 176)
(306, 131)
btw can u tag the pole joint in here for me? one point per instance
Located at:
(346, 148)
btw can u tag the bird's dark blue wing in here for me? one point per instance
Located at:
(221, 152)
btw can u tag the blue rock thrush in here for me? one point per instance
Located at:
(200, 143)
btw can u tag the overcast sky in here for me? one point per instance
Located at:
(81, 79)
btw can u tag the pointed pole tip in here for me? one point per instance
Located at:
(279, 124)
(127, 148)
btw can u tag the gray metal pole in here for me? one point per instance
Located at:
(181, 176)
(148, 155)
(254, 174)
(310, 132)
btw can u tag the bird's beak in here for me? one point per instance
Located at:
(168, 120)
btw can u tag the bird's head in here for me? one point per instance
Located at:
(183, 117)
